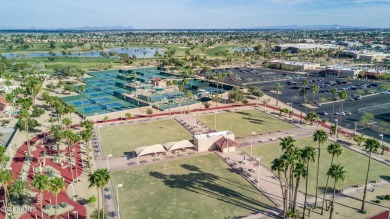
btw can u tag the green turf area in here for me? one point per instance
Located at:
(222, 48)
(243, 123)
(355, 164)
(198, 187)
(119, 139)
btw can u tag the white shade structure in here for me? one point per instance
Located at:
(178, 145)
(157, 148)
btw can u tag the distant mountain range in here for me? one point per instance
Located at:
(311, 27)
(86, 28)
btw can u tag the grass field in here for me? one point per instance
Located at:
(355, 164)
(198, 187)
(243, 123)
(119, 139)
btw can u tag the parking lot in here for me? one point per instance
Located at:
(363, 96)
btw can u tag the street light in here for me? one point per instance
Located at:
(381, 135)
(337, 122)
(117, 198)
(355, 128)
(108, 167)
(252, 134)
(258, 175)
(215, 120)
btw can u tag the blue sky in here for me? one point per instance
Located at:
(192, 13)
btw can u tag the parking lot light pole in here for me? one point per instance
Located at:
(108, 166)
(381, 135)
(335, 132)
(355, 128)
(253, 133)
(117, 198)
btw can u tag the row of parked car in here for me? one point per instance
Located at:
(336, 113)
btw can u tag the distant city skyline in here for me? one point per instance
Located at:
(192, 14)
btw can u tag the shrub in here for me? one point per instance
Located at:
(363, 212)
(245, 101)
(387, 197)
(377, 201)
(64, 204)
(48, 206)
(92, 199)
(206, 105)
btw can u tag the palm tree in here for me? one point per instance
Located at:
(98, 179)
(277, 87)
(42, 183)
(321, 136)
(4, 158)
(56, 185)
(337, 172)
(25, 115)
(308, 154)
(299, 171)
(67, 122)
(86, 135)
(70, 109)
(372, 145)
(287, 143)
(333, 91)
(216, 99)
(128, 115)
(335, 150)
(314, 89)
(278, 165)
(18, 189)
(6, 177)
(303, 94)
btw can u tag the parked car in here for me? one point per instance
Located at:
(358, 98)
(323, 113)
(348, 113)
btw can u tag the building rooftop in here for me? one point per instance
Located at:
(310, 46)
(214, 134)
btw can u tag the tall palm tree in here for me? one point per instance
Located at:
(314, 89)
(337, 172)
(335, 150)
(6, 177)
(277, 87)
(321, 136)
(220, 77)
(42, 183)
(303, 94)
(4, 158)
(70, 109)
(308, 154)
(56, 185)
(278, 165)
(25, 115)
(287, 143)
(372, 145)
(86, 136)
(299, 171)
(98, 179)
(333, 91)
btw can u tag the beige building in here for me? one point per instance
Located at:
(293, 66)
(207, 142)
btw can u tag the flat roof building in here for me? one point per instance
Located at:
(293, 66)
(295, 48)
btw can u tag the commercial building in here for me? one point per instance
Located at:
(295, 48)
(293, 66)
(338, 71)
(365, 55)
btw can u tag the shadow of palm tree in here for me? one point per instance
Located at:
(210, 185)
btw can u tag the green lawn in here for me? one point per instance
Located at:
(198, 187)
(243, 123)
(355, 164)
(119, 139)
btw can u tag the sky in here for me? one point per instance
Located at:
(182, 14)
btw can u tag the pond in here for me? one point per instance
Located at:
(137, 51)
